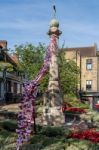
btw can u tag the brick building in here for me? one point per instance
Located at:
(87, 58)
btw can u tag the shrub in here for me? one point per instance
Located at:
(43, 140)
(52, 131)
(9, 125)
(38, 128)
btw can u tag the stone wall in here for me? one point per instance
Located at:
(85, 74)
(89, 74)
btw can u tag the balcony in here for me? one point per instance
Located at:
(11, 76)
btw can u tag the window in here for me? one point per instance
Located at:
(15, 88)
(1, 57)
(89, 64)
(8, 86)
(89, 85)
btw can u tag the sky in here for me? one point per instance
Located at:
(28, 21)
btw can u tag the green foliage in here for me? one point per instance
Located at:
(44, 141)
(73, 101)
(91, 117)
(37, 146)
(52, 131)
(6, 66)
(53, 141)
(7, 140)
(61, 143)
(38, 128)
(31, 60)
(9, 125)
(69, 73)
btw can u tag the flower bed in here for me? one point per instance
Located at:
(97, 106)
(89, 134)
(73, 110)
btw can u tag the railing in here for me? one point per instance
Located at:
(11, 75)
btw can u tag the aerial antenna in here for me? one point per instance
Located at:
(54, 11)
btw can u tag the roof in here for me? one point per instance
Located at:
(3, 44)
(14, 58)
(84, 51)
(11, 58)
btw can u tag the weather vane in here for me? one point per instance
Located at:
(54, 11)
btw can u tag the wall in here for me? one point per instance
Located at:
(89, 74)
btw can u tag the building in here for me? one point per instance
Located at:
(87, 59)
(10, 81)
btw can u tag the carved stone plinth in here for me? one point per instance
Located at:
(53, 116)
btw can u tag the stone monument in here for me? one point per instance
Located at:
(52, 113)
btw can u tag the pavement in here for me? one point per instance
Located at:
(10, 108)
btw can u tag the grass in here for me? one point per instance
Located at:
(9, 125)
(47, 138)
(7, 134)
(7, 140)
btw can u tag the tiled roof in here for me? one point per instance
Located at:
(84, 51)
(14, 58)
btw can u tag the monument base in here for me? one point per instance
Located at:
(53, 116)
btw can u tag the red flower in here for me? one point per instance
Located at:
(73, 109)
(97, 105)
(90, 134)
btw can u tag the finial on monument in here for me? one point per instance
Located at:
(54, 11)
(54, 25)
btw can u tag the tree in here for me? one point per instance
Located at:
(69, 73)
(31, 60)
(6, 65)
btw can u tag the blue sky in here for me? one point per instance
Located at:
(28, 21)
